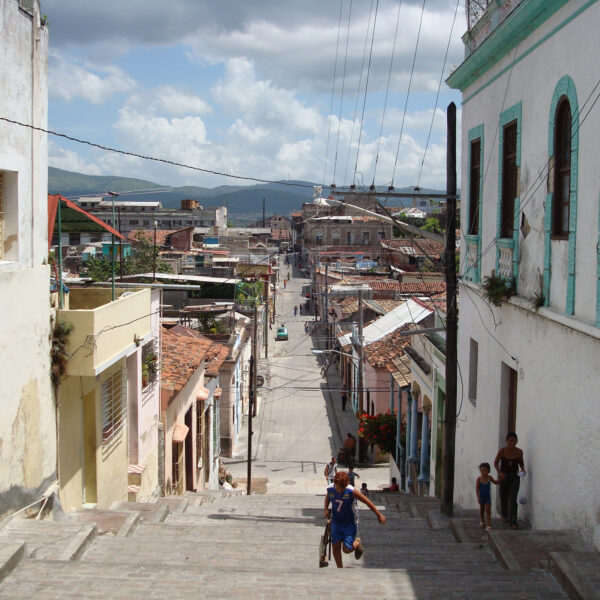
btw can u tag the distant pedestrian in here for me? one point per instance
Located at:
(284, 283)
(344, 399)
(295, 310)
(288, 275)
(363, 489)
(393, 487)
(510, 467)
(349, 447)
(352, 476)
(483, 488)
(330, 470)
(306, 327)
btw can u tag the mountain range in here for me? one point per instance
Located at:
(244, 203)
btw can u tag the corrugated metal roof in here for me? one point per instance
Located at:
(408, 312)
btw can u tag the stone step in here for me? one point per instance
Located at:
(48, 539)
(83, 580)
(148, 511)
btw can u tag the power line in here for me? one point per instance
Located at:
(438, 93)
(387, 89)
(362, 118)
(337, 46)
(152, 158)
(412, 70)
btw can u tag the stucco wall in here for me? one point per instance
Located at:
(27, 421)
(558, 415)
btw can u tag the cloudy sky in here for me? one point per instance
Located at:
(245, 87)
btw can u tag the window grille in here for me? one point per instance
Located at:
(474, 181)
(216, 428)
(199, 432)
(114, 410)
(509, 180)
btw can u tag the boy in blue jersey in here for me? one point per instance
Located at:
(341, 495)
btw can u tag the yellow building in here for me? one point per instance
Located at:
(97, 433)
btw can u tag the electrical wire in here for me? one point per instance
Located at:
(152, 158)
(437, 97)
(342, 94)
(337, 46)
(362, 118)
(387, 89)
(412, 70)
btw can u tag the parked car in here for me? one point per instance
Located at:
(282, 334)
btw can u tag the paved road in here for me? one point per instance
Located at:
(295, 432)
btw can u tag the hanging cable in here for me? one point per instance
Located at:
(342, 94)
(412, 70)
(362, 66)
(437, 97)
(337, 46)
(387, 89)
(362, 118)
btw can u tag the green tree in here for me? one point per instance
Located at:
(432, 225)
(145, 255)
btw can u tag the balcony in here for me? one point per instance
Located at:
(505, 266)
(104, 331)
(484, 17)
(472, 258)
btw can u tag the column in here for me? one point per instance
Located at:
(400, 453)
(424, 471)
(409, 402)
(392, 394)
(414, 430)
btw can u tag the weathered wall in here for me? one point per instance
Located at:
(27, 420)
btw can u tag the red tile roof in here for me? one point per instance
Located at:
(423, 287)
(383, 352)
(181, 355)
(161, 235)
(385, 285)
(429, 247)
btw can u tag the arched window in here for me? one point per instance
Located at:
(562, 169)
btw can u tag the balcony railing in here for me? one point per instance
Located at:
(472, 258)
(483, 18)
(505, 258)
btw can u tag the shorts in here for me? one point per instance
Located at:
(343, 532)
(484, 499)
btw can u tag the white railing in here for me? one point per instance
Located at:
(505, 262)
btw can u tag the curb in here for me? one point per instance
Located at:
(11, 555)
(564, 569)
(79, 543)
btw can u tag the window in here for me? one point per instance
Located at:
(473, 361)
(562, 169)
(74, 239)
(113, 407)
(319, 238)
(366, 238)
(216, 428)
(335, 237)
(199, 432)
(474, 191)
(134, 221)
(9, 216)
(349, 238)
(509, 179)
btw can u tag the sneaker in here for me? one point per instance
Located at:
(481, 524)
(358, 552)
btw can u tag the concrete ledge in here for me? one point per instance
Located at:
(11, 555)
(129, 525)
(414, 511)
(458, 531)
(79, 543)
(502, 551)
(577, 587)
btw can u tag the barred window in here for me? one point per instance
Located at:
(216, 428)
(474, 183)
(562, 169)
(509, 180)
(114, 408)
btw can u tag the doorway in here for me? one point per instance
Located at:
(189, 452)
(508, 402)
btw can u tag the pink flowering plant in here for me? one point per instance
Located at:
(380, 429)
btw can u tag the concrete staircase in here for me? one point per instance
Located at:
(214, 545)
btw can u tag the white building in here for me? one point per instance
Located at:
(27, 419)
(531, 176)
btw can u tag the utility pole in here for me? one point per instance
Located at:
(252, 402)
(120, 248)
(266, 318)
(326, 311)
(451, 320)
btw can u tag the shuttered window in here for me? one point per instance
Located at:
(216, 428)
(509, 179)
(562, 170)
(474, 191)
(113, 407)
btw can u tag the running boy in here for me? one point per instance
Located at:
(343, 522)
(484, 495)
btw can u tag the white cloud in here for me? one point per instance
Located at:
(68, 160)
(169, 100)
(69, 79)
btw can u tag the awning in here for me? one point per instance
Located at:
(74, 219)
(180, 432)
(203, 394)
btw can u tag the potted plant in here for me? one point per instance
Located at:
(149, 368)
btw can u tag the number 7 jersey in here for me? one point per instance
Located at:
(342, 510)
